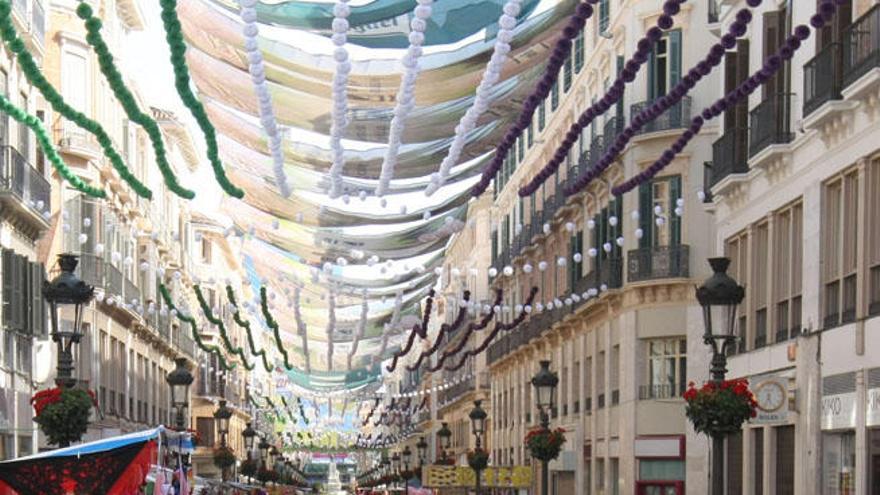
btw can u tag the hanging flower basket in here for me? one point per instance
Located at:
(224, 457)
(545, 444)
(248, 468)
(719, 410)
(478, 459)
(63, 414)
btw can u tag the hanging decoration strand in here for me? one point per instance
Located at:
(362, 326)
(662, 104)
(448, 329)
(301, 327)
(482, 98)
(405, 94)
(612, 96)
(340, 26)
(561, 51)
(35, 77)
(174, 38)
(246, 325)
(420, 330)
(194, 329)
(771, 66)
(276, 330)
(257, 71)
(127, 100)
(51, 153)
(224, 337)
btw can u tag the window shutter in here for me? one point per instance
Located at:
(652, 75)
(674, 220)
(742, 73)
(8, 259)
(674, 56)
(620, 102)
(20, 294)
(730, 81)
(646, 214)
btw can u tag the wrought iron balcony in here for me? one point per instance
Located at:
(458, 390)
(613, 126)
(657, 262)
(861, 46)
(22, 181)
(677, 116)
(729, 154)
(770, 123)
(91, 269)
(823, 78)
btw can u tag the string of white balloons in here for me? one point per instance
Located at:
(405, 93)
(482, 99)
(257, 70)
(341, 11)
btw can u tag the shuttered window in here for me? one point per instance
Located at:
(24, 308)
(579, 51)
(663, 228)
(734, 463)
(759, 278)
(785, 460)
(664, 65)
(873, 228)
(787, 270)
(839, 236)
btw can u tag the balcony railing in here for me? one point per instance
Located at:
(861, 46)
(661, 391)
(677, 116)
(657, 262)
(18, 177)
(458, 390)
(91, 269)
(823, 78)
(729, 154)
(770, 123)
(613, 127)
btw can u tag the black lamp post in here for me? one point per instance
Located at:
(180, 379)
(719, 296)
(422, 448)
(545, 382)
(221, 417)
(478, 426)
(444, 435)
(406, 456)
(249, 434)
(66, 289)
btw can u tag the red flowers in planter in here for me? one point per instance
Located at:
(720, 409)
(63, 413)
(545, 444)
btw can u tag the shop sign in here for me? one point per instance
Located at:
(872, 414)
(839, 411)
(462, 476)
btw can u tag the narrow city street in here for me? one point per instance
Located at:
(440, 247)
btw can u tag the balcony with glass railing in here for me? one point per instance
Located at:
(678, 116)
(861, 46)
(823, 78)
(657, 262)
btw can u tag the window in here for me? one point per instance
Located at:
(74, 83)
(579, 52)
(663, 229)
(614, 375)
(758, 459)
(760, 258)
(566, 74)
(600, 476)
(588, 384)
(737, 250)
(839, 463)
(615, 476)
(205, 428)
(542, 115)
(24, 133)
(604, 15)
(664, 65)
(667, 368)
(734, 462)
(554, 95)
(785, 460)
(787, 269)
(600, 380)
(4, 119)
(873, 227)
(839, 238)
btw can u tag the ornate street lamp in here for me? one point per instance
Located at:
(249, 434)
(719, 297)
(444, 436)
(545, 382)
(478, 426)
(395, 463)
(180, 379)
(66, 289)
(273, 455)
(221, 417)
(422, 448)
(406, 456)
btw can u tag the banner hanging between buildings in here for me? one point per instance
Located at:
(463, 476)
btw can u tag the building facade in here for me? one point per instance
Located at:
(25, 200)
(795, 184)
(615, 311)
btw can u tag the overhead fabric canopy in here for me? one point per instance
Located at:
(325, 256)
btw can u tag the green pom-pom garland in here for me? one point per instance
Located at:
(246, 325)
(174, 37)
(127, 99)
(46, 144)
(224, 337)
(36, 78)
(195, 332)
(270, 321)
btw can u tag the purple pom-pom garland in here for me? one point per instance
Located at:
(745, 88)
(630, 68)
(660, 105)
